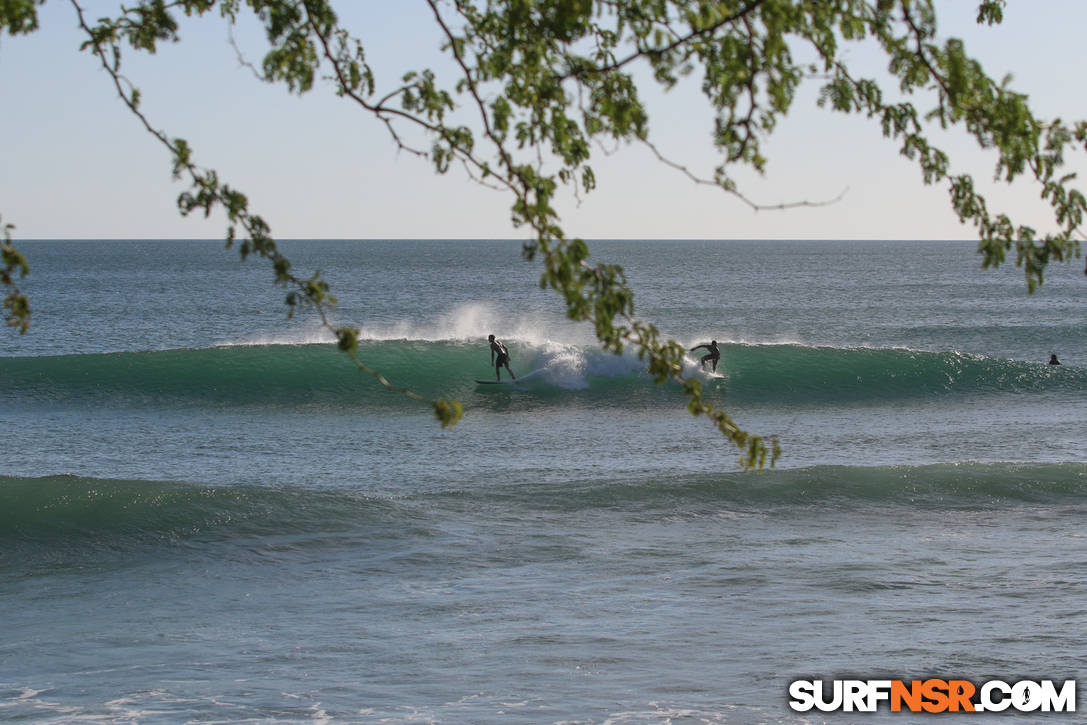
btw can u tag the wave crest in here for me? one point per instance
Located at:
(78, 511)
(318, 374)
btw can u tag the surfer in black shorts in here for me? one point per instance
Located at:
(713, 354)
(500, 356)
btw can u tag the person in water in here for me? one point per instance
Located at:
(713, 354)
(500, 356)
(1053, 359)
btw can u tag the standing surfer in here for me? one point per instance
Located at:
(500, 356)
(713, 354)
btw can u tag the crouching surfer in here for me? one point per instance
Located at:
(713, 354)
(500, 357)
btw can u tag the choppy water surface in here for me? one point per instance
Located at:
(207, 514)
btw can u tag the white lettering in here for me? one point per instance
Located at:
(854, 695)
(1026, 696)
(802, 693)
(879, 690)
(820, 696)
(1063, 701)
(992, 696)
(998, 704)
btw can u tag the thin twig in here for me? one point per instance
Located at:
(754, 205)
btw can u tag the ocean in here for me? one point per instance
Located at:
(207, 514)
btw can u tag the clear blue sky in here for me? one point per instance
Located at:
(77, 165)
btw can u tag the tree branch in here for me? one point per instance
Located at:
(313, 291)
(657, 52)
(735, 192)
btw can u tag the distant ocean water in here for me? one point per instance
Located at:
(207, 514)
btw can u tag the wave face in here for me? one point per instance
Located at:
(829, 373)
(79, 517)
(318, 374)
(80, 511)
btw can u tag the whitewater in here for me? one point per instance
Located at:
(208, 514)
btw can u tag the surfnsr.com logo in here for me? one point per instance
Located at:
(932, 695)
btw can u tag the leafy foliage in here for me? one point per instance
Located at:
(545, 80)
(19, 16)
(16, 305)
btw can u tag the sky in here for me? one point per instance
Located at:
(76, 164)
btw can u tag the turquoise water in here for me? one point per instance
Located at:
(207, 514)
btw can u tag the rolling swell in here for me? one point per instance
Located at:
(83, 515)
(318, 374)
(800, 372)
(71, 510)
(959, 486)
